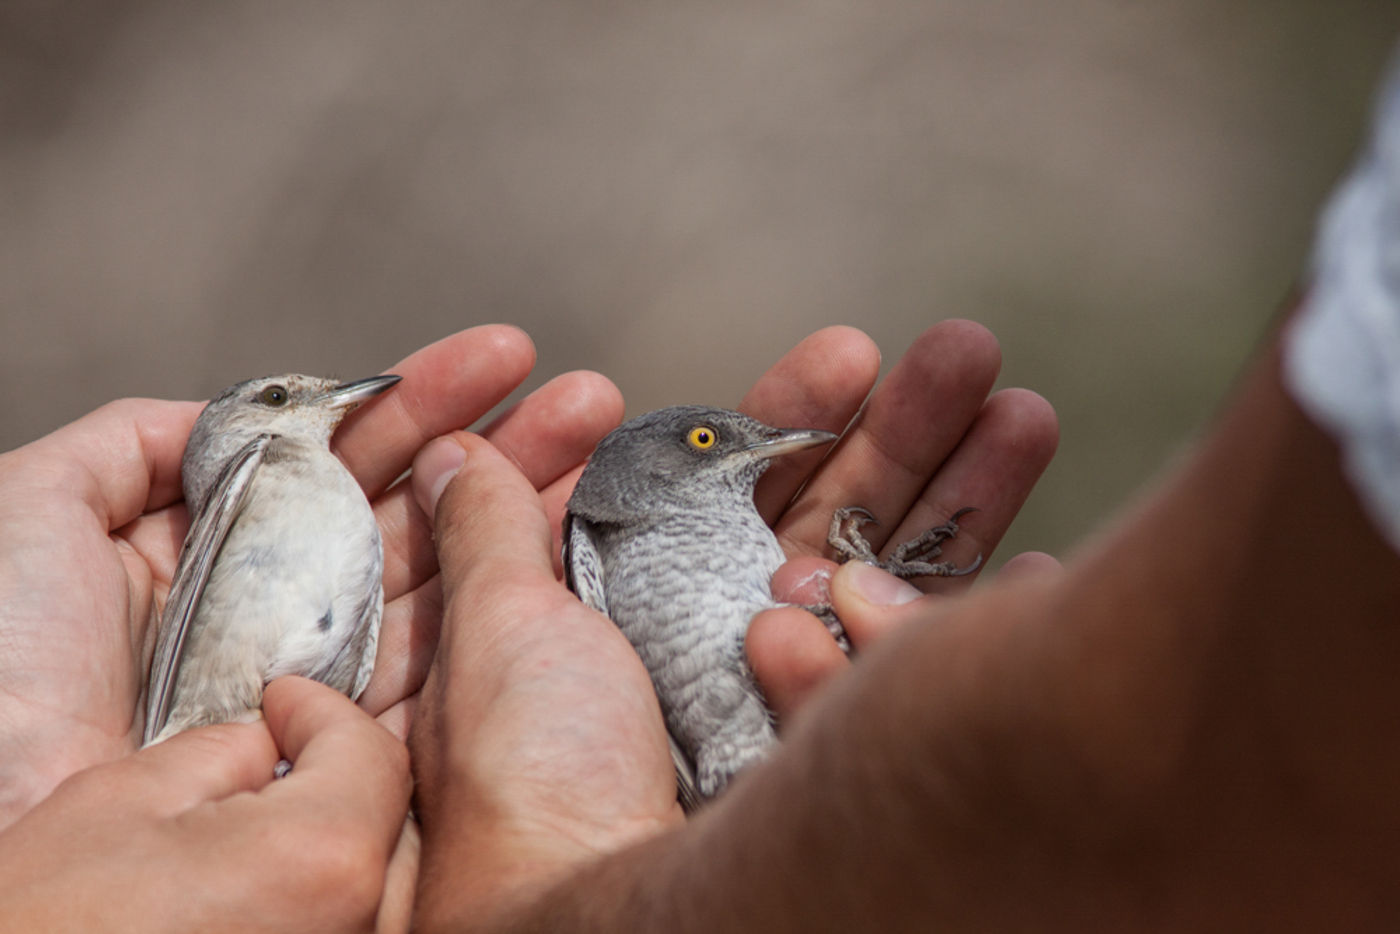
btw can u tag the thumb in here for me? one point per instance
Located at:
(189, 769)
(433, 468)
(871, 602)
(486, 513)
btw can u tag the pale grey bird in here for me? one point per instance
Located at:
(662, 535)
(281, 571)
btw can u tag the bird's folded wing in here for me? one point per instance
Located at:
(208, 528)
(583, 566)
(583, 573)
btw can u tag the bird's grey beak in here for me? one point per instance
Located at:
(348, 395)
(794, 440)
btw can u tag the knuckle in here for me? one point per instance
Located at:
(330, 859)
(350, 866)
(322, 868)
(90, 786)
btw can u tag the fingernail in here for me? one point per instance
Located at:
(433, 469)
(817, 584)
(804, 581)
(877, 587)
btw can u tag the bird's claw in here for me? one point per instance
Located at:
(844, 534)
(909, 559)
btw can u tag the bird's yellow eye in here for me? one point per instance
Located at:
(702, 437)
(275, 396)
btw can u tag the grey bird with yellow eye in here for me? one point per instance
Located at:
(662, 535)
(281, 571)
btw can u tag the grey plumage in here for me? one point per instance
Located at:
(663, 536)
(281, 571)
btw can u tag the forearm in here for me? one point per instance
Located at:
(891, 804)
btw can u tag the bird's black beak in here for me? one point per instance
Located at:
(785, 442)
(351, 394)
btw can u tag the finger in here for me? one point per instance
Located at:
(408, 638)
(343, 762)
(1029, 564)
(157, 537)
(792, 655)
(120, 460)
(994, 468)
(555, 500)
(493, 543)
(549, 432)
(804, 580)
(820, 383)
(556, 427)
(407, 537)
(913, 421)
(205, 764)
(807, 582)
(400, 882)
(553, 433)
(871, 603)
(529, 688)
(446, 385)
(434, 467)
(488, 515)
(398, 718)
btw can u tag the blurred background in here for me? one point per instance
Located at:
(673, 194)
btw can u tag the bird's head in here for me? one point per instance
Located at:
(678, 458)
(306, 408)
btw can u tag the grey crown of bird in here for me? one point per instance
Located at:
(662, 535)
(281, 571)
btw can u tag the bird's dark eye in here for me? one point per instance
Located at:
(702, 437)
(275, 396)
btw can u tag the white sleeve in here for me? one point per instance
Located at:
(1342, 352)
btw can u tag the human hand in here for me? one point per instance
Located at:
(522, 776)
(537, 741)
(193, 834)
(931, 439)
(94, 523)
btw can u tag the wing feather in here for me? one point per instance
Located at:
(208, 529)
(583, 565)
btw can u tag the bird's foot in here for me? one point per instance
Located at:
(827, 614)
(913, 558)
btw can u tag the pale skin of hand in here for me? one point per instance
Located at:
(194, 834)
(94, 522)
(67, 492)
(1192, 727)
(503, 816)
(929, 442)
